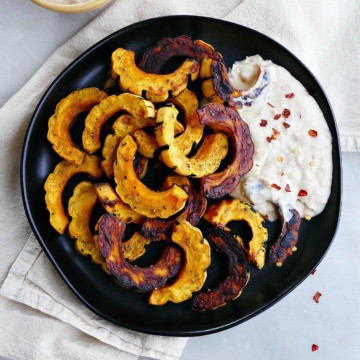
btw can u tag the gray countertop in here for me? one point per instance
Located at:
(29, 34)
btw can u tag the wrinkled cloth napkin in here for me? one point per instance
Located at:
(39, 316)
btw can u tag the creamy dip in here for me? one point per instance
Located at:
(292, 159)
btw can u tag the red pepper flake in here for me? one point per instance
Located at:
(313, 272)
(265, 217)
(270, 139)
(263, 123)
(317, 297)
(275, 186)
(290, 96)
(314, 347)
(286, 113)
(270, 105)
(277, 116)
(287, 188)
(313, 133)
(286, 125)
(275, 131)
(302, 193)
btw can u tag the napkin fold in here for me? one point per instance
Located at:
(54, 324)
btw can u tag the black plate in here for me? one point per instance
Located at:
(88, 282)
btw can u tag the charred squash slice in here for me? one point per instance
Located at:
(217, 87)
(114, 205)
(157, 229)
(208, 157)
(109, 150)
(235, 210)
(134, 105)
(284, 245)
(155, 57)
(192, 275)
(55, 185)
(132, 191)
(111, 232)
(133, 248)
(228, 121)
(238, 276)
(193, 133)
(80, 208)
(157, 88)
(65, 113)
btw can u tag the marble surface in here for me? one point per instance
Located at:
(29, 34)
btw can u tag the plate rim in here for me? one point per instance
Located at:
(146, 329)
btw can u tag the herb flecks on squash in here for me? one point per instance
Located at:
(139, 197)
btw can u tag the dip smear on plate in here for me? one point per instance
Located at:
(292, 159)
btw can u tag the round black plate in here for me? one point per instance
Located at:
(89, 283)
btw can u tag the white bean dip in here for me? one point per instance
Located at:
(292, 159)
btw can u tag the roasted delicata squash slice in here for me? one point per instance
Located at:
(55, 185)
(206, 160)
(238, 275)
(147, 144)
(192, 275)
(226, 211)
(226, 120)
(133, 248)
(114, 205)
(65, 114)
(109, 150)
(127, 124)
(132, 191)
(193, 133)
(157, 229)
(80, 208)
(132, 104)
(285, 244)
(111, 232)
(157, 88)
(155, 57)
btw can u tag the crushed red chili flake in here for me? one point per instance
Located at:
(287, 188)
(290, 96)
(270, 139)
(286, 113)
(275, 131)
(277, 116)
(263, 123)
(265, 217)
(313, 272)
(270, 105)
(275, 186)
(302, 193)
(317, 297)
(314, 347)
(313, 133)
(286, 125)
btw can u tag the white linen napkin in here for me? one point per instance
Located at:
(322, 33)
